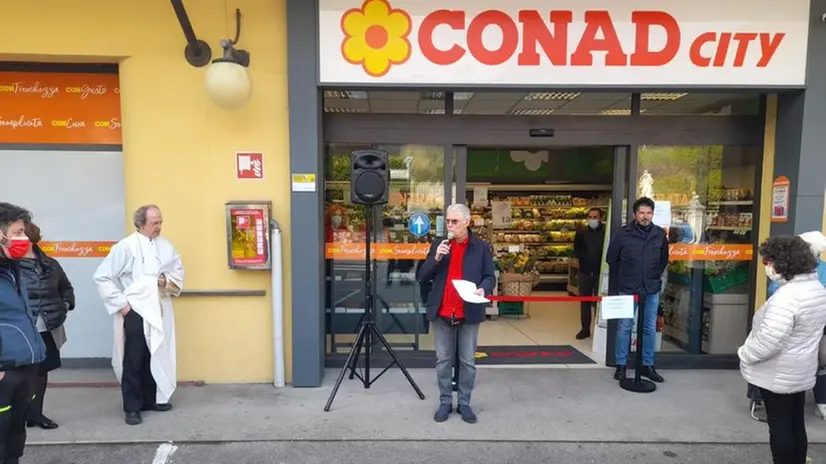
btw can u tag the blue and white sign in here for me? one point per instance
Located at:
(419, 224)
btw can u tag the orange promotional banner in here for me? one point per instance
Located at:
(69, 249)
(711, 252)
(356, 251)
(69, 108)
(416, 251)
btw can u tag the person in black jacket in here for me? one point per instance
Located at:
(464, 256)
(51, 297)
(637, 257)
(588, 243)
(21, 348)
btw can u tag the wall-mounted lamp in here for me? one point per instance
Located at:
(227, 81)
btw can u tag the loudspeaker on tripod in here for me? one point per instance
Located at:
(369, 177)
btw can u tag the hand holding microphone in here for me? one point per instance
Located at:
(444, 247)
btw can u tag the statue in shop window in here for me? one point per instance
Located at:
(646, 185)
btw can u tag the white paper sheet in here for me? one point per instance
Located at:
(467, 291)
(618, 307)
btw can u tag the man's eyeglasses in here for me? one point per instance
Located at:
(453, 221)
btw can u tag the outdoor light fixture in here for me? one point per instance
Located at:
(227, 81)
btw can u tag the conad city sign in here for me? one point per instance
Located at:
(564, 43)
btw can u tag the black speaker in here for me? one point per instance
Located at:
(369, 177)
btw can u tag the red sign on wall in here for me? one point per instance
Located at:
(249, 165)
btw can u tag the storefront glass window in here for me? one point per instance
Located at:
(705, 199)
(416, 186)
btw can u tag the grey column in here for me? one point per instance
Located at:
(801, 136)
(306, 233)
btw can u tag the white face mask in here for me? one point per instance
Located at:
(770, 272)
(593, 223)
(336, 220)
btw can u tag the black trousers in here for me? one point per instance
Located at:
(587, 287)
(51, 363)
(787, 426)
(16, 391)
(137, 385)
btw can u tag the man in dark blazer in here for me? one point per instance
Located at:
(462, 255)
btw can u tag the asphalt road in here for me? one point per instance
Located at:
(384, 452)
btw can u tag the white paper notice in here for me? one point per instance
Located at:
(467, 291)
(501, 212)
(618, 307)
(662, 214)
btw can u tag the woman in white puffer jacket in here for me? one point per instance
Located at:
(780, 355)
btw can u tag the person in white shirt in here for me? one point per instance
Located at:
(136, 282)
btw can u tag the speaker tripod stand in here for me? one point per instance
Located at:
(369, 333)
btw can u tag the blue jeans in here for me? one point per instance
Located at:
(445, 344)
(649, 333)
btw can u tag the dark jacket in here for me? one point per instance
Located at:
(588, 245)
(20, 344)
(50, 293)
(477, 267)
(636, 260)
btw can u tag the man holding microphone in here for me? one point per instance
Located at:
(462, 255)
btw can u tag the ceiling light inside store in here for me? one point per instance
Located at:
(441, 95)
(662, 96)
(346, 94)
(440, 111)
(548, 96)
(344, 110)
(532, 112)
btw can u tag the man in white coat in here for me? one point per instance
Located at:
(136, 282)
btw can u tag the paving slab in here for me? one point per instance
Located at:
(530, 405)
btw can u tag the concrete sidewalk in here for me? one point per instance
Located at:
(541, 405)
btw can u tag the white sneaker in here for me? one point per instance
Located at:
(820, 410)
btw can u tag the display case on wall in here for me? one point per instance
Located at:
(248, 234)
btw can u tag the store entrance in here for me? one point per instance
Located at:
(529, 204)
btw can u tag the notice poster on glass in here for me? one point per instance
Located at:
(248, 235)
(501, 214)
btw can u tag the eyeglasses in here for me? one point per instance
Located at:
(453, 221)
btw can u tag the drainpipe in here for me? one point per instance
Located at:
(277, 275)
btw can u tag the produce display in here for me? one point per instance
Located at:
(737, 219)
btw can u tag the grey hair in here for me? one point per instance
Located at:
(139, 218)
(461, 209)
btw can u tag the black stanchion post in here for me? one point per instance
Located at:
(638, 384)
(455, 381)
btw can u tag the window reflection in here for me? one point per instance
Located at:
(416, 186)
(705, 199)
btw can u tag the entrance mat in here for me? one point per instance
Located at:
(555, 354)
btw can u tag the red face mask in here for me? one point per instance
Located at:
(18, 247)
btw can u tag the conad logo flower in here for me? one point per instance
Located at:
(375, 36)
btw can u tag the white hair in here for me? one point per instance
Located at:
(816, 241)
(459, 208)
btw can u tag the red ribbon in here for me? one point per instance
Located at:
(519, 299)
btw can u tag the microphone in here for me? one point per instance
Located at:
(449, 238)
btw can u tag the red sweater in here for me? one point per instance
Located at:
(451, 303)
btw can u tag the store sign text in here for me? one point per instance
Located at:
(708, 49)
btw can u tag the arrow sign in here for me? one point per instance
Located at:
(419, 224)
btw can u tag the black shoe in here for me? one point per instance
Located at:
(651, 373)
(443, 412)
(583, 334)
(43, 422)
(159, 407)
(133, 418)
(619, 373)
(467, 414)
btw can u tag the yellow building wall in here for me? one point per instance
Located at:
(764, 227)
(179, 151)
